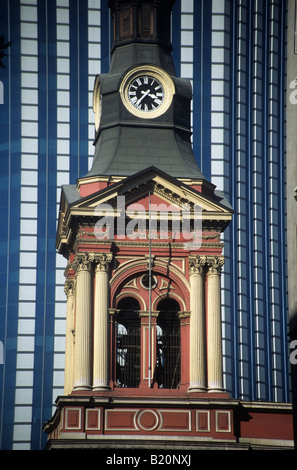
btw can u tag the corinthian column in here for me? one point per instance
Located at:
(68, 381)
(197, 326)
(100, 360)
(83, 343)
(214, 328)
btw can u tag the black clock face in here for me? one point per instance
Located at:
(145, 93)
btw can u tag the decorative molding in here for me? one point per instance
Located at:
(93, 419)
(139, 266)
(132, 284)
(179, 421)
(133, 294)
(223, 421)
(73, 419)
(147, 420)
(202, 420)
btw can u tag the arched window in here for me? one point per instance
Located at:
(128, 344)
(167, 372)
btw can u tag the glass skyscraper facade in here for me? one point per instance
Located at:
(234, 52)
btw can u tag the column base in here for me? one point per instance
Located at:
(82, 388)
(197, 389)
(101, 388)
(215, 390)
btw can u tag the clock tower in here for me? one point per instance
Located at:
(141, 232)
(142, 109)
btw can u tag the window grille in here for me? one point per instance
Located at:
(128, 348)
(168, 353)
(168, 358)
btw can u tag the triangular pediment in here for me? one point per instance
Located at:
(162, 189)
(134, 193)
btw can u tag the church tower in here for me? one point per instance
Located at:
(141, 232)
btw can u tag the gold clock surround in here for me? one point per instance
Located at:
(158, 74)
(97, 102)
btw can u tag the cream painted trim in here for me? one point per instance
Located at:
(207, 412)
(174, 429)
(218, 412)
(99, 419)
(80, 418)
(137, 418)
(133, 294)
(97, 105)
(267, 442)
(171, 295)
(145, 356)
(135, 428)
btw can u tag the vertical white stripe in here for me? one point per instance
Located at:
(187, 43)
(28, 227)
(63, 175)
(94, 64)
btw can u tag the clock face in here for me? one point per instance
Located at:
(145, 93)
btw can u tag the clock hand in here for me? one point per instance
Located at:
(144, 94)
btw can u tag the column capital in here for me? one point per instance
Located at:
(197, 264)
(215, 264)
(69, 287)
(102, 261)
(82, 262)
